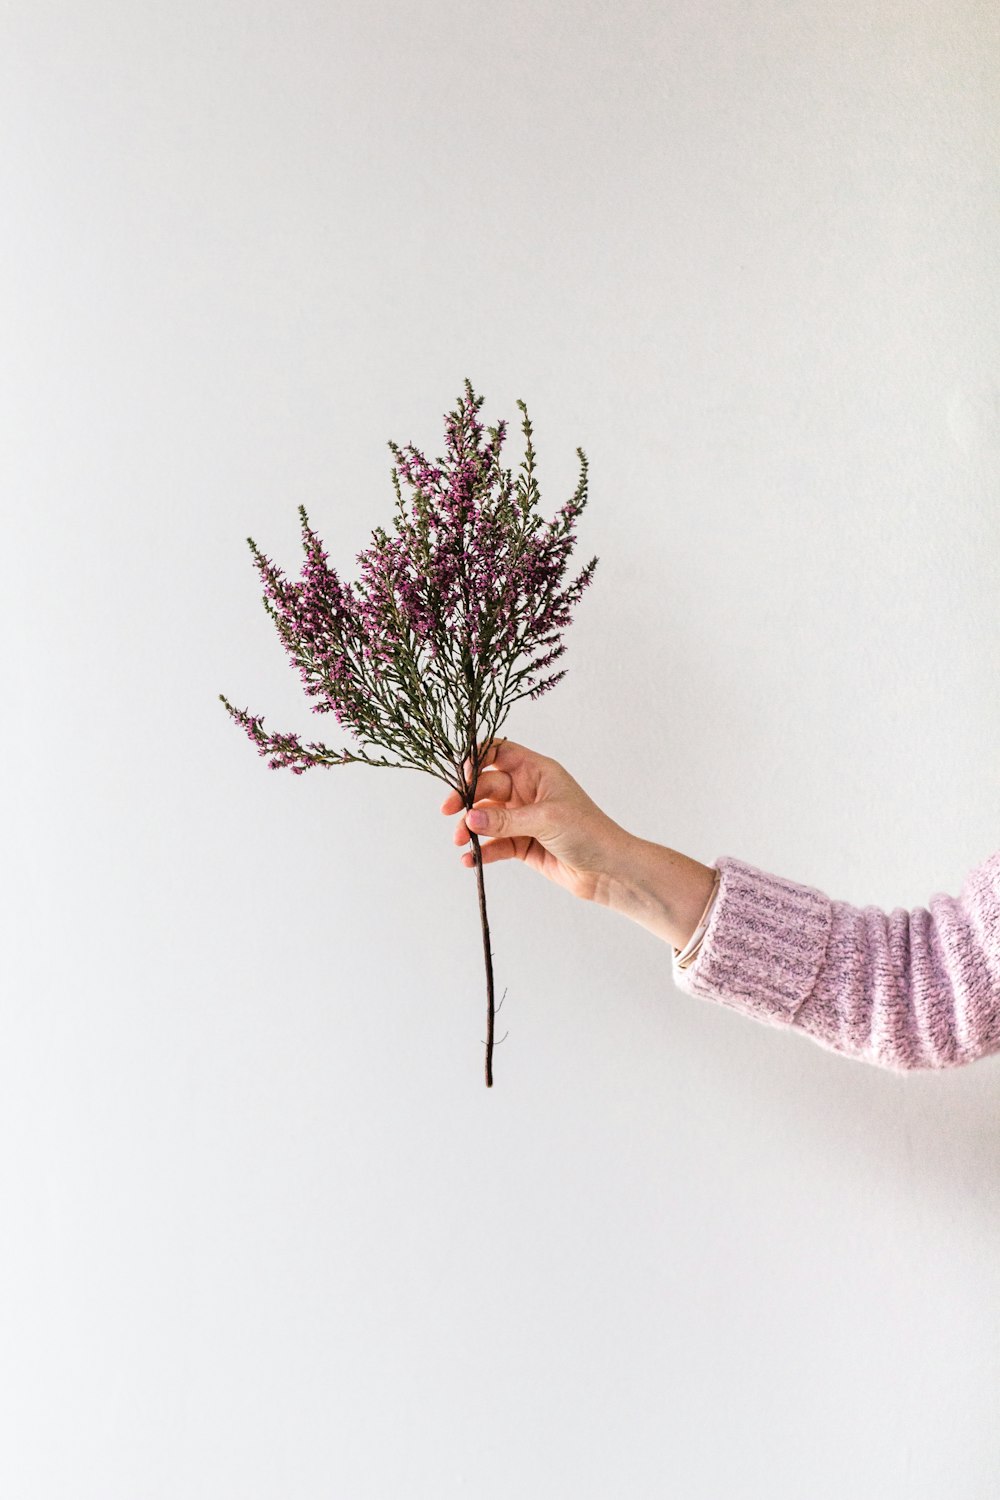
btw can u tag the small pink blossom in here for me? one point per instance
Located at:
(452, 619)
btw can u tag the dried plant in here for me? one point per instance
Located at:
(454, 618)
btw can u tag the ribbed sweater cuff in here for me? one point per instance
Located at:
(763, 946)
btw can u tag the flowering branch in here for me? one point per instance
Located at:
(453, 620)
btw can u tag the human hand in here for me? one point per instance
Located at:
(537, 813)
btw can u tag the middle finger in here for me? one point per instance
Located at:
(491, 783)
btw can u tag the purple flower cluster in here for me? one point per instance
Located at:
(453, 618)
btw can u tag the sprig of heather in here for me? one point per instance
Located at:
(452, 620)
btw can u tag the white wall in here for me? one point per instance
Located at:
(263, 1231)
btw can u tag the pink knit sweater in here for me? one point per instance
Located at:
(911, 989)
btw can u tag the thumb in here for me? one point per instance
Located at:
(507, 822)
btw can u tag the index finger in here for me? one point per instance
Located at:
(504, 754)
(498, 788)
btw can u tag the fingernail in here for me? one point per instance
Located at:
(477, 819)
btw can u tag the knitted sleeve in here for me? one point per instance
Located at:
(902, 990)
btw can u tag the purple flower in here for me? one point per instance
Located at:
(452, 619)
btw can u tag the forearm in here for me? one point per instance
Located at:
(906, 989)
(661, 889)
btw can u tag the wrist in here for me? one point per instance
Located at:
(660, 888)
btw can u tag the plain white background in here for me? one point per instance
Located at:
(263, 1230)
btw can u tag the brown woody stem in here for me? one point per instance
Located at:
(478, 858)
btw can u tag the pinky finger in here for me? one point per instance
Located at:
(494, 850)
